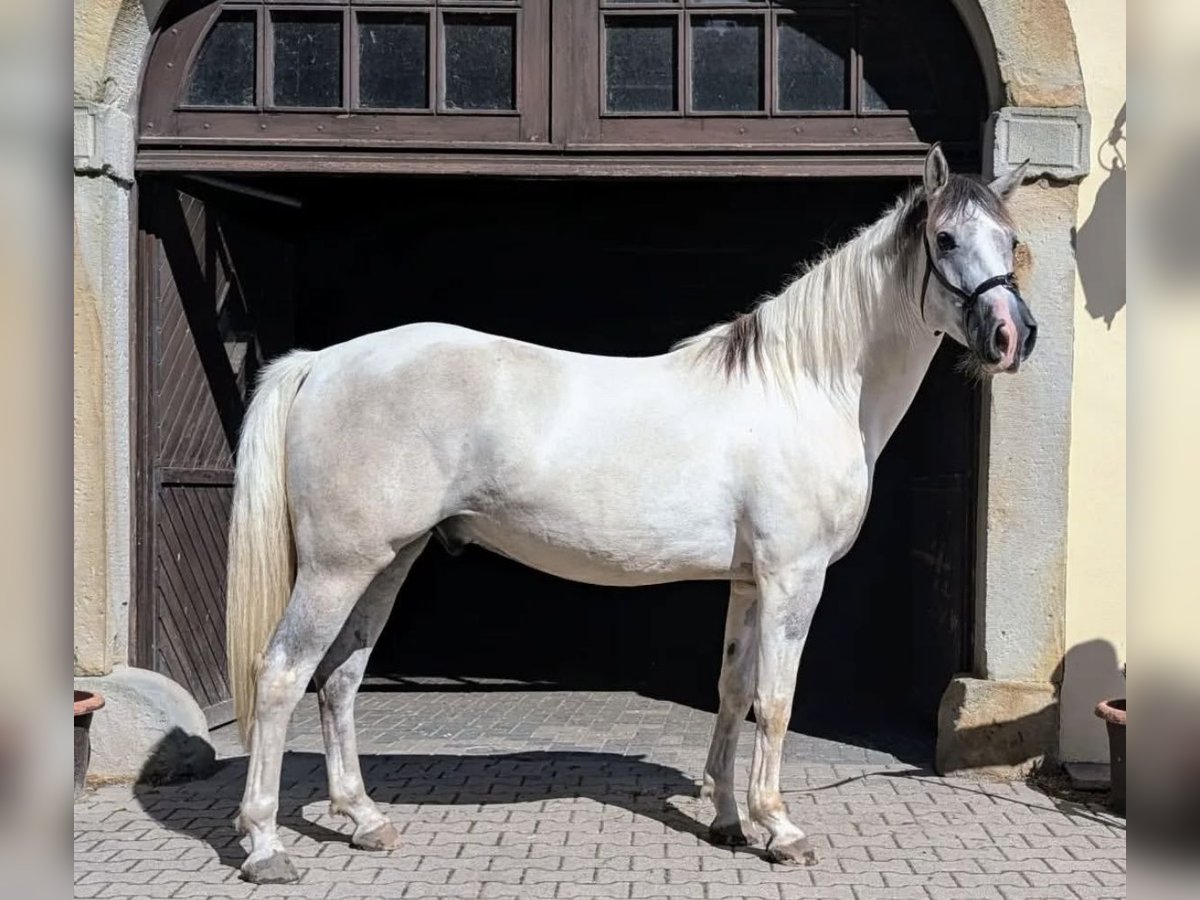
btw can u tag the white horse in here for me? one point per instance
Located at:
(745, 455)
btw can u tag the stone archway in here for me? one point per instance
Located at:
(1029, 55)
(1004, 714)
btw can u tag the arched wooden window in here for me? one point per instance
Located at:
(836, 82)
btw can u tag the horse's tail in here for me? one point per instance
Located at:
(262, 556)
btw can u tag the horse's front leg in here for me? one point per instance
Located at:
(788, 598)
(736, 691)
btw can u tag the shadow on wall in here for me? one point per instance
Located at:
(1100, 242)
(1092, 673)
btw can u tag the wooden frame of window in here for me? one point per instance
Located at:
(581, 120)
(167, 121)
(558, 94)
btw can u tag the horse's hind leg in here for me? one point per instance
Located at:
(737, 692)
(338, 678)
(320, 604)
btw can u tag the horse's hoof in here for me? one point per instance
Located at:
(275, 869)
(733, 834)
(382, 837)
(797, 853)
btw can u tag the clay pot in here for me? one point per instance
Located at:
(86, 703)
(1113, 714)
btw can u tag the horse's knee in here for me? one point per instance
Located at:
(736, 694)
(773, 713)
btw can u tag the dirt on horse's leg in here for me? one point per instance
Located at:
(338, 678)
(737, 691)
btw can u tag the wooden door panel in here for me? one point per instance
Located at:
(190, 552)
(206, 254)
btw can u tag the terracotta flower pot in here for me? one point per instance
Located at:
(1113, 714)
(86, 703)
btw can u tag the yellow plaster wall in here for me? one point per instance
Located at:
(1095, 610)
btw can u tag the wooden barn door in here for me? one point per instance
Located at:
(217, 275)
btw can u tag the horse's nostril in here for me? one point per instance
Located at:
(1030, 340)
(1000, 339)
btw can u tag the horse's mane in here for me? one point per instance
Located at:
(819, 317)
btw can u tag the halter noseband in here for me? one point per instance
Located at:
(1008, 280)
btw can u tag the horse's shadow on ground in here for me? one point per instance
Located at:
(204, 809)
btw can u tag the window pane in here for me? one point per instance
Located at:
(224, 71)
(727, 63)
(308, 59)
(392, 58)
(479, 61)
(640, 59)
(812, 63)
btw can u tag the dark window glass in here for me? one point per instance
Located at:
(479, 61)
(224, 71)
(812, 61)
(894, 75)
(308, 59)
(640, 64)
(727, 63)
(393, 53)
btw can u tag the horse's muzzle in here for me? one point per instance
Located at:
(1003, 333)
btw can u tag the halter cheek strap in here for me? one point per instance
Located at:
(1008, 280)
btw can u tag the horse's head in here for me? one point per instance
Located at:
(968, 289)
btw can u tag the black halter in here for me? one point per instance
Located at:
(1008, 280)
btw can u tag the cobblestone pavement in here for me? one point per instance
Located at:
(525, 794)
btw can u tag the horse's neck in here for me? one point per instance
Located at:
(885, 350)
(892, 373)
(896, 353)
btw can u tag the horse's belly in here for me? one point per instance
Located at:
(620, 558)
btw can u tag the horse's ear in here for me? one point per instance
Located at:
(1004, 186)
(937, 170)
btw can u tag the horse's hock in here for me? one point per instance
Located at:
(1035, 91)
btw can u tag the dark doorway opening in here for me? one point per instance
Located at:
(628, 268)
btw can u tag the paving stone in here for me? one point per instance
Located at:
(738, 891)
(810, 892)
(142, 891)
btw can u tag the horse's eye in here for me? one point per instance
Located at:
(945, 241)
(1016, 243)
